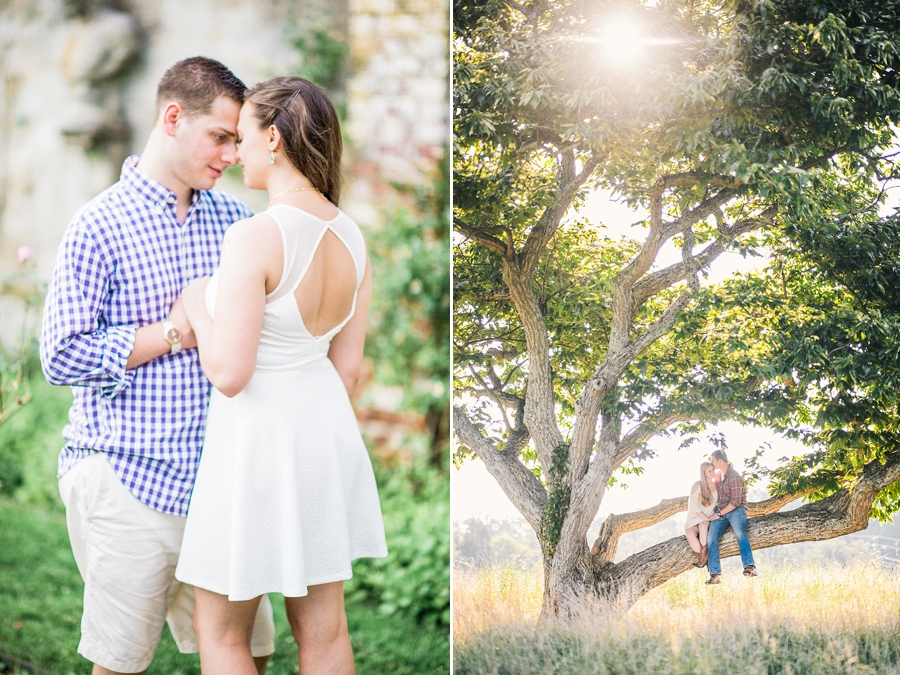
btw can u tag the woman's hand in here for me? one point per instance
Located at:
(194, 298)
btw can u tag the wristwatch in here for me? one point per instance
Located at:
(173, 336)
(715, 508)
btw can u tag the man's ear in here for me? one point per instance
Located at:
(172, 113)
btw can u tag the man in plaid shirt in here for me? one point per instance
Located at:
(731, 509)
(115, 330)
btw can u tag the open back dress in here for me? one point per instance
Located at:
(285, 496)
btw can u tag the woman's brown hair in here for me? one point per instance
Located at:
(705, 492)
(309, 127)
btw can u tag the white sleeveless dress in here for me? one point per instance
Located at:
(285, 496)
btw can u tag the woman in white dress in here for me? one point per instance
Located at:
(285, 495)
(701, 503)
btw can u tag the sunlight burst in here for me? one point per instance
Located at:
(623, 41)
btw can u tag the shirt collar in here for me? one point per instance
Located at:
(148, 188)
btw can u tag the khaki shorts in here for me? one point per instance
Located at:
(126, 553)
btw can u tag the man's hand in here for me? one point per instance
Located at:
(179, 317)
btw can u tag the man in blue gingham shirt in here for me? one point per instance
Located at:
(123, 263)
(115, 330)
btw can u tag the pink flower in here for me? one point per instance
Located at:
(23, 254)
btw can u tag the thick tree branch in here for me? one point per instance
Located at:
(656, 330)
(508, 400)
(653, 283)
(700, 212)
(588, 404)
(660, 280)
(518, 483)
(540, 402)
(687, 260)
(844, 512)
(659, 232)
(488, 241)
(615, 525)
(625, 301)
(568, 182)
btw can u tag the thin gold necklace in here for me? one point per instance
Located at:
(287, 192)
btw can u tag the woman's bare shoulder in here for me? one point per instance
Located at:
(259, 231)
(261, 223)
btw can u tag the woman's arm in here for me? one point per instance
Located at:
(346, 349)
(229, 344)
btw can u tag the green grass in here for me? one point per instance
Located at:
(752, 650)
(40, 612)
(794, 619)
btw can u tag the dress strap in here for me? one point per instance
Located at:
(299, 242)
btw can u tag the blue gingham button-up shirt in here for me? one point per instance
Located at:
(123, 261)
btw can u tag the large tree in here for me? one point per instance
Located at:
(741, 125)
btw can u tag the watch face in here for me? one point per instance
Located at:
(173, 335)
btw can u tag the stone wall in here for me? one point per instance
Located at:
(78, 81)
(398, 94)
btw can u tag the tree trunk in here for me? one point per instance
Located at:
(568, 581)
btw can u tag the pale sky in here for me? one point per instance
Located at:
(672, 472)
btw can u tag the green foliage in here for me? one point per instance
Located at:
(774, 106)
(556, 509)
(409, 332)
(414, 580)
(22, 288)
(40, 588)
(323, 57)
(30, 443)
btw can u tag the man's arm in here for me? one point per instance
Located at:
(75, 348)
(732, 490)
(149, 342)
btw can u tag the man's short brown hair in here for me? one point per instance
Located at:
(719, 455)
(195, 83)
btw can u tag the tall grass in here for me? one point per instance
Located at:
(793, 619)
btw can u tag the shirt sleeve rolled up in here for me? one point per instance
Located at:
(77, 345)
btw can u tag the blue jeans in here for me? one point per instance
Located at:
(737, 518)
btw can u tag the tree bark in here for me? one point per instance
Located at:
(517, 482)
(844, 512)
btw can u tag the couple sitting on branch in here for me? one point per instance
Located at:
(717, 500)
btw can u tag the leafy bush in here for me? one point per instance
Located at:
(409, 332)
(30, 442)
(415, 577)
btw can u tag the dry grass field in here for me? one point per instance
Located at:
(794, 620)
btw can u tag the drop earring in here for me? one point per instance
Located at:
(272, 158)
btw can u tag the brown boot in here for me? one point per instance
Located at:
(696, 562)
(704, 556)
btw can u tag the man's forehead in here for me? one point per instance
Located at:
(223, 112)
